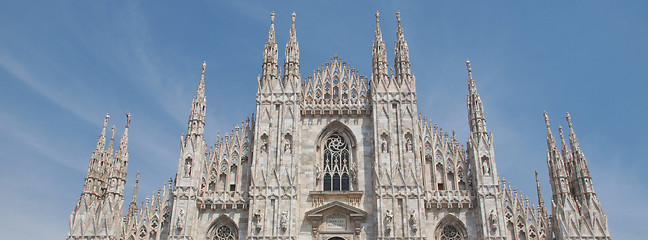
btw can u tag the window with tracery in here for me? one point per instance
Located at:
(336, 164)
(223, 229)
(224, 232)
(450, 233)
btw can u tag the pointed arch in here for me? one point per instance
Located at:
(223, 228)
(336, 127)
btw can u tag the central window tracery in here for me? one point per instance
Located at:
(224, 232)
(450, 233)
(223, 229)
(336, 164)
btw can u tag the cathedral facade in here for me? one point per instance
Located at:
(338, 156)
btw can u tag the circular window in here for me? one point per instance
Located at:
(224, 232)
(450, 233)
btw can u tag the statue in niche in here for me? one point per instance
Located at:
(180, 222)
(283, 222)
(383, 143)
(264, 143)
(318, 175)
(492, 220)
(288, 146)
(389, 218)
(187, 168)
(413, 220)
(258, 217)
(408, 145)
(485, 167)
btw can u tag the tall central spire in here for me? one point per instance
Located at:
(270, 69)
(379, 61)
(292, 78)
(476, 114)
(402, 66)
(198, 107)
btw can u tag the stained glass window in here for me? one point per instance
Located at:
(336, 164)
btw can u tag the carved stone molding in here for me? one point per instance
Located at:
(337, 217)
(351, 198)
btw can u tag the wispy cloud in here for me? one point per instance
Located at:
(21, 72)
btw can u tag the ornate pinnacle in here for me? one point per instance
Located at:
(106, 120)
(551, 142)
(572, 135)
(271, 32)
(123, 144)
(272, 15)
(201, 85)
(562, 137)
(112, 141)
(128, 118)
(112, 137)
(378, 32)
(472, 88)
(293, 30)
(398, 18)
(134, 197)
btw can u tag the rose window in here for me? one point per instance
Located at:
(450, 233)
(224, 232)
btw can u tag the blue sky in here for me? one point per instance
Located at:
(64, 65)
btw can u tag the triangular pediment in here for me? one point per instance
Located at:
(336, 206)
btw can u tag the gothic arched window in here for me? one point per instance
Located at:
(336, 164)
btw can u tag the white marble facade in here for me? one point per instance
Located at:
(337, 155)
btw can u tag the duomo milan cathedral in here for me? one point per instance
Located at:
(338, 156)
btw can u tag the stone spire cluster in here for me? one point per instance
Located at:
(576, 210)
(337, 155)
(99, 210)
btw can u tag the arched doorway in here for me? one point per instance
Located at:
(336, 238)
